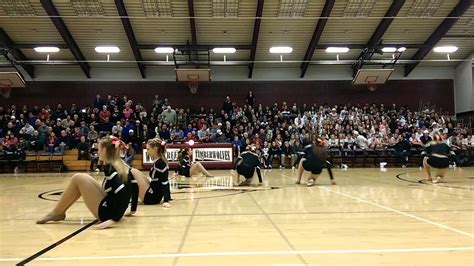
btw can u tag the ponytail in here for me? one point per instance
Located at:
(160, 147)
(113, 146)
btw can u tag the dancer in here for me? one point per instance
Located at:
(158, 189)
(187, 168)
(246, 165)
(437, 155)
(314, 161)
(108, 202)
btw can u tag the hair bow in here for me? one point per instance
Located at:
(163, 143)
(119, 143)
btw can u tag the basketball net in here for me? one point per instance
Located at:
(5, 90)
(371, 86)
(193, 83)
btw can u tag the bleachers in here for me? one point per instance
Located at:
(72, 164)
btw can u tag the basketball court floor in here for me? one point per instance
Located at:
(370, 217)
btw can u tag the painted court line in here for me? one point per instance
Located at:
(400, 212)
(252, 253)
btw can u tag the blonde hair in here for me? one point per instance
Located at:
(160, 148)
(112, 155)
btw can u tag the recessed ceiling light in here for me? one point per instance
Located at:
(445, 49)
(337, 50)
(164, 50)
(228, 50)
(107, 49)
(45, 49)
(281, 50)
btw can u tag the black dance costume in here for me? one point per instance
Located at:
(247, 164)
(438, 155)
(313, 164)
(116, 202)
(159, 185)
(184, 167)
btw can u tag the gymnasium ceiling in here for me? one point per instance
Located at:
(352, 23)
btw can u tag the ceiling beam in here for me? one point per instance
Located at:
(192, 22)
(256, 32)
(439, 33)
(127, 26)
(58, 22)
(384, 24)
(318, 31)
(7, 42)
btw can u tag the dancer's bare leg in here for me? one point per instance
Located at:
(236, 178)
(312, 180)
(142, 181)
(197, 168)
(427, 167)
(81, 185)
(300, 172)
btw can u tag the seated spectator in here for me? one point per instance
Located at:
(402, 150)
(128, 155)
(288, 152)
(27, 131)
(220, 137)
(51, 143)
(104, 113)
(34, 143)
(264, 155)
(105, 127)
(275, 152)
(203, 133)
(63, 142)
(83, 149)
(92, 136)
(237, 146)
(164, 133)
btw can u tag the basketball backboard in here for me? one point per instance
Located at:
(11, 80)
(372, 76)
(193, 75)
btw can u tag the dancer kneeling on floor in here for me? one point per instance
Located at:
(108, 202)
(437, 155)
(186, 167)
(247, 163)
(314, 161)
(152, 192)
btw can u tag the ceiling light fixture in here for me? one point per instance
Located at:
(46, 49)
(164, 50)
(445, 49)
(281, 50)
(389, 49)
(337, 50)
(224, 50)
(107, 49)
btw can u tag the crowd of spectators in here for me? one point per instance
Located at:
(279, 131)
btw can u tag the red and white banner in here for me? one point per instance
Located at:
(210, 155)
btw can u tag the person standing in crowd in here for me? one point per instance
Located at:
(250, 99)
(169, 115)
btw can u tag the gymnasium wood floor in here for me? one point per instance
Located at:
(369, 218)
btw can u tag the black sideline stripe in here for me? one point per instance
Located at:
(50, 247)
